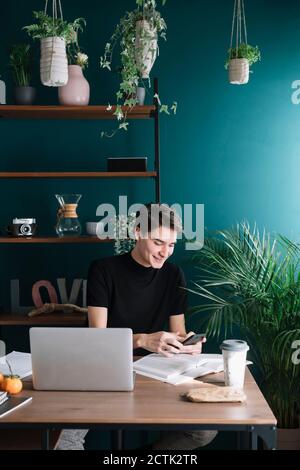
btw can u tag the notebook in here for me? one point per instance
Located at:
(12, 403)
(3, 397)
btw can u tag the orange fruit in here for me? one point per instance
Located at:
(12, 384)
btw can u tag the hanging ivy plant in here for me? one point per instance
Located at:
(131, 55)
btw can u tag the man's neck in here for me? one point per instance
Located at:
(136, 256)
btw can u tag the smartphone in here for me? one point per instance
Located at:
(194, 339)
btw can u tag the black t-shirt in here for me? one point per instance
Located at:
(136, 297)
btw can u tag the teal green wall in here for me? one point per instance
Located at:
(235, 149)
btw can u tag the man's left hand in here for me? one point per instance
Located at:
(193, 348)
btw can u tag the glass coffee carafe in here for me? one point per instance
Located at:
(68, 224)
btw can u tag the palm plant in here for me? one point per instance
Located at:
(252, 281)
(20, 62)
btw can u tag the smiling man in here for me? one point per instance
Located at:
(143, 291)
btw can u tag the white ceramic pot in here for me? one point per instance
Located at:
(145, 47)
(2, 92)
(238, 71)
(54, 62)
(77, 90)
(94, 228)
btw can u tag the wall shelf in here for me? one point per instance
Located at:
(73, 112)
(76, 319)
(57, 240)
(97, 113)
(78, 174)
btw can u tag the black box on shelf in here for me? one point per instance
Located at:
(126, 163)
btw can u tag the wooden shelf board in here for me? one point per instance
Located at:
(80, 174)
(72, 112)
(82, 239)
(58, 318)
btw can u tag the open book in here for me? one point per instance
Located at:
(167, 368)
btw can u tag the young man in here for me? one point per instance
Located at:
(143, 291)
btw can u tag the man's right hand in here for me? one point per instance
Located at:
(162, 342)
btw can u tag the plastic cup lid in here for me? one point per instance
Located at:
(234, 345)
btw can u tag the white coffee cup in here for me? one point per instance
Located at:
(94, 228)
(234, 356)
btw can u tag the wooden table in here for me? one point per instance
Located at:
(153, 405)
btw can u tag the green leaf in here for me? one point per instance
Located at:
(164, 109)
(174, 107)
(124, 126)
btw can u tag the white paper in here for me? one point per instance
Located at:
(20, 364)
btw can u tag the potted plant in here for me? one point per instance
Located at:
(252, 282)
(54, 34)
(77, 90)
(239, 61)
(137, 35)
(242, 55)
(20, 63)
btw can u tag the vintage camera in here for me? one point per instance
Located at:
(22, 227)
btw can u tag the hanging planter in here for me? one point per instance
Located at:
(242, 55)
(145, 47)
(54, 34)
(238, 71)
(137, 34)
(54, 62)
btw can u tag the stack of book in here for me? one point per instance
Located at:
(3, 397)
(9, 403)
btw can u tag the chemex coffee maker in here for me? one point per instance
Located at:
(22, 227)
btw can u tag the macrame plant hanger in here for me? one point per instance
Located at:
(50, 77)
(239, 32)
(239, 23)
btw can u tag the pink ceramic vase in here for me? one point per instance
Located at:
(77, 91)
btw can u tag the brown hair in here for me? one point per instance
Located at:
(154, 215)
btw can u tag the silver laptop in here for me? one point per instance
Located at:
(82, 359)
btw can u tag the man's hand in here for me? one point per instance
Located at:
(193, 348)
(163, 343)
